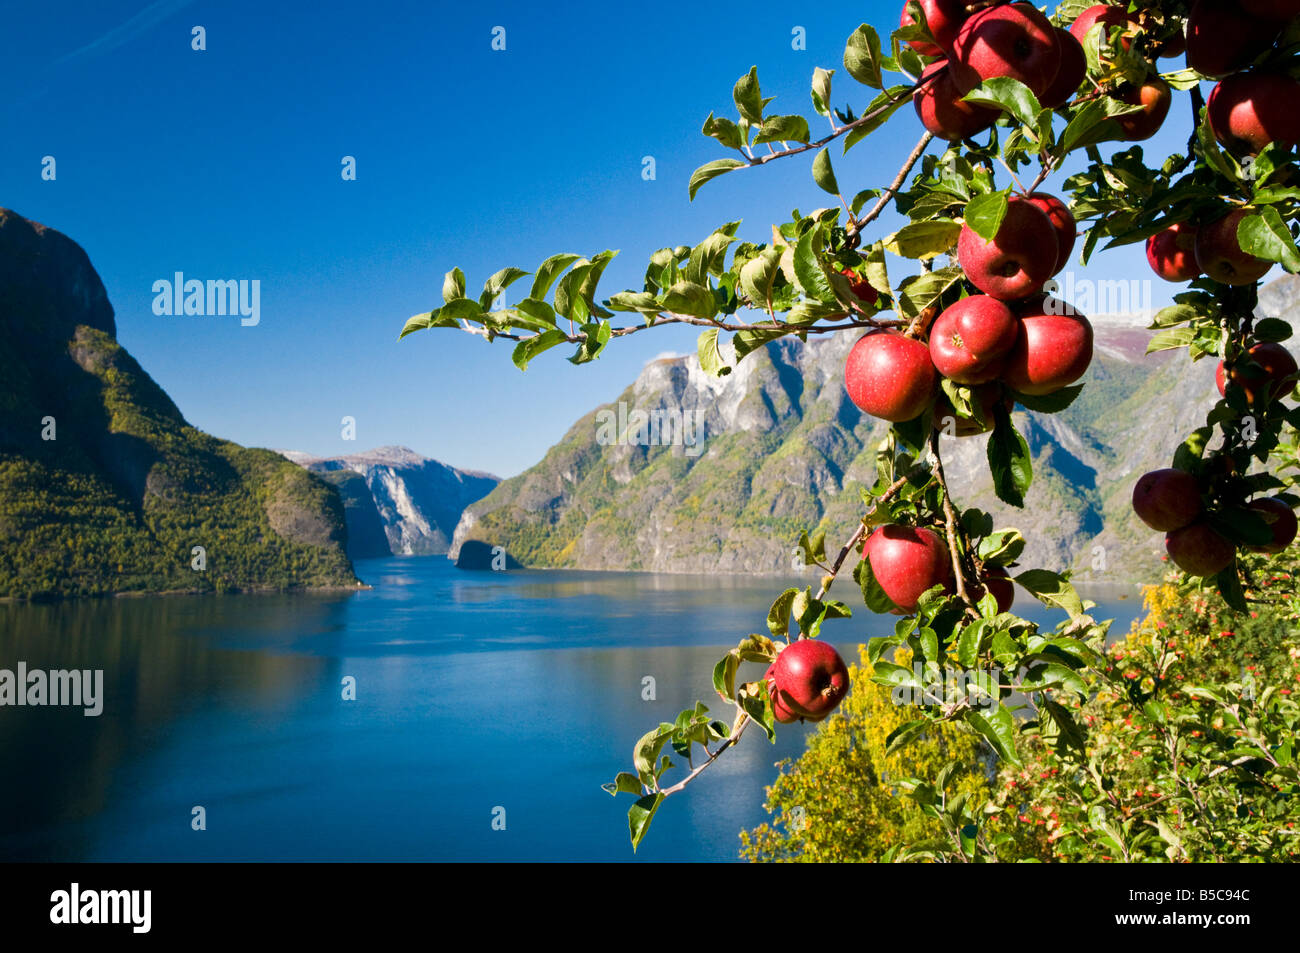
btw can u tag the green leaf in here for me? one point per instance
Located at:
(1174, 314)
(460, 309)
(687, 297)
(642, 301)
(453, 286)
(1087, 126)
(872, 594)
(895, 676)
(749, 98)
(783, 129)
(922, 240)
(547, 272)
(624, 783)
(1008, 94)
(711, 360)
(498, 283)
(1002, 548)
(725, 131)
(862, 56)
(984, 214)
(757, 276)
(917, 295)
(724, 677)
(711, 170)
(809, 273)
(756, 703)
(640, 815)
(999, 728)
(597, 336)
(1009, 460)
(530, 347)
(778, 617)
(1171, 338)
(824, 174)
(1052, 403)
(1272, 329)
(417, 322)
(1051, 589)
(1266, 236)
(903, 735)
(821, 90)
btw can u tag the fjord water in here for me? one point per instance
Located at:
(474, 692)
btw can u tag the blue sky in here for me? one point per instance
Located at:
(226, 164)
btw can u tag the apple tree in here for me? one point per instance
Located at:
(1028, 162)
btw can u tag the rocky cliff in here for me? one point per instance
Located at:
(104, 488)
(398, 502)
(783, 449)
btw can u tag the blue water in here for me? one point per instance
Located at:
(476, 692)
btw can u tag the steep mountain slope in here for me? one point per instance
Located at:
(784, 449)
(398, 502)
(104, 487)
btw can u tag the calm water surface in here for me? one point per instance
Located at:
(475, 691)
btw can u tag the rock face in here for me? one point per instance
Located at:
(783, 450)
(104, 488)
(398, 502)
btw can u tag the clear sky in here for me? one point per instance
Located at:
(226, 164)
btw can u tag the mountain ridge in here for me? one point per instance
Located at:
(105, 488)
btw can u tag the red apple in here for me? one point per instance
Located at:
(907, 561)
(780, 703)
(890, 376)
(1021, 257)
(1281, 519)
(986, 397)
(1219, 253)
(944, 18)
(1247, 111)
(810, 678)
(1109, 17)
(1013, 40)
(1053, 349)
(1282, 10)
(1070, 74)
(1265, 375)
(1154, 96)
(998, 582)
(1199, 551)
(943, 112)
(1167, 499)
(1058, 213)
(860, 286)
(1172, 253)
(970, 340)
(1220, 40)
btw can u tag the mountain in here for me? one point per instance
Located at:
(397, 502)
(104, 488)
(783, 449)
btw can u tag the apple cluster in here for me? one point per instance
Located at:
(1017, 41)
(1009, 338)
(1174, 501)
(1171, 501)
(807, 681)
(1248, 110)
